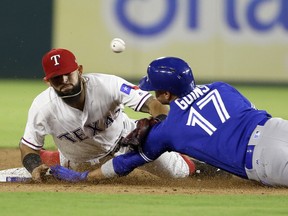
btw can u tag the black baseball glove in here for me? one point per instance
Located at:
(139, 134)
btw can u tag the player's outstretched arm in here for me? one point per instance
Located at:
(32, 162)
(118, 166)
(154, 107)
(63, 173)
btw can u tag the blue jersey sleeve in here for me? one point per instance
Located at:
(157, 141)
(126, 163)
(148, 152)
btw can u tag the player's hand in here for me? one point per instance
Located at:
(39, 172)
(66, 174)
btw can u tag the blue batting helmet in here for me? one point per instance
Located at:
(168, 74)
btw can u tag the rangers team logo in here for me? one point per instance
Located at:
(127, 89)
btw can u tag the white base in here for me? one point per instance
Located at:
(19, 174)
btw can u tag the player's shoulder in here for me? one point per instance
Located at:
(101, 78)
(43, 102)
(220, 85)
(45, 96)
(226, 88)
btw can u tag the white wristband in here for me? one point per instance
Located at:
(107, 169)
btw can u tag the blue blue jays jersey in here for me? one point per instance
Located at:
(213, 124)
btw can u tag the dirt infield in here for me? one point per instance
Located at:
(138, 182)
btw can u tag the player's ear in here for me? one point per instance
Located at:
(80, 69)
(169, 96)
(46, 81)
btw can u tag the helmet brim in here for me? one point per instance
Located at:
(145, 84)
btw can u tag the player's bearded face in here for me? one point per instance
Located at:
(67, 85)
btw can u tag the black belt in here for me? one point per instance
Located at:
(250, 149)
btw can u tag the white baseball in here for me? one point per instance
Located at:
(117, 45)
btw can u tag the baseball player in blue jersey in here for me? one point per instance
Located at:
(213, 123)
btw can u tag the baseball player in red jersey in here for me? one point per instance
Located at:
(84, 115)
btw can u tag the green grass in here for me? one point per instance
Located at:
(71, 204)
(16, 98)
(271, 98)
